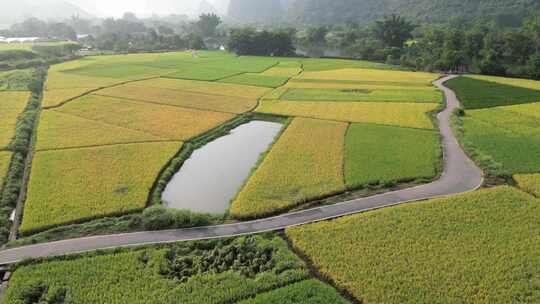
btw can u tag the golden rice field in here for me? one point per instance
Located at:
(144, 92)
(479, 247)
(305, 163)
(529, 183)
(282, 71)
(11, 105)
(55, 97)
(77, 184)
(372, 75)
(5, 159)
(204, 87)
(58, 130)
(169, 122)
(412, 115)
(516, 82)
(297, 83)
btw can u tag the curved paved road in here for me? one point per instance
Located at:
(460, 175)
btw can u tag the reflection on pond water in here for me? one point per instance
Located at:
(213, 175)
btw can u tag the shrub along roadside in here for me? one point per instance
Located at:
(20, 146)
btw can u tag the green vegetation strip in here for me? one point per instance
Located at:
(220, 271)
(352, 94)
(306, 292)
(479, 247)
(478, 93)
(380, 154)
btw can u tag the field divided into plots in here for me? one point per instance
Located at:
(211, 272)
(502, 125)
(138, 110)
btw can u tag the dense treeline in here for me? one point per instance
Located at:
(456, 46)
(504, 12)
(39, 55)
(20, 146)
(248, 41)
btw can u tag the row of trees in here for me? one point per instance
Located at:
(248, 41)
(456, 46)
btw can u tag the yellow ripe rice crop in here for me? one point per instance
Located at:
(531, 110)
(205, 87)
(478, 247)
(355, 85)
(413, 115)
(56, 97)
(11, 105)
(141, 92)
(62, 80)
(281, 71)
(304, 164)
(79, 184)
(516, 82)
(529, 183)
(5, 159)
(419, 78)
(169, 122)
(59, 131)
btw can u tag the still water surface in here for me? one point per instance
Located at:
(213, 175)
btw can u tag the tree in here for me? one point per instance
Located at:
(248, 41)
(533, 66)
(196, 42)
(316, 36)
(208, 24)
(393, 31)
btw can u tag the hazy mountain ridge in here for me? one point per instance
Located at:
(12, 11)
(364, 11)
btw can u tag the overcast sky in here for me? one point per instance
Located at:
(144, 7)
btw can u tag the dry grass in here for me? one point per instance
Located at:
(304, 164)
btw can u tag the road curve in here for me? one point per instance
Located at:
(460, 175)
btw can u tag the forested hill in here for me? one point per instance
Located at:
(365, 11)
(255, 10)
(507, 12)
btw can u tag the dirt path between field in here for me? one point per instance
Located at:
(460, 175)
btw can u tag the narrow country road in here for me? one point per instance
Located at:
(460, 175)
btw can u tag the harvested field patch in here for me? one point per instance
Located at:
(305, 163)
(78, 184)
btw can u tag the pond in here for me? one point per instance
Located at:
(213, 175)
